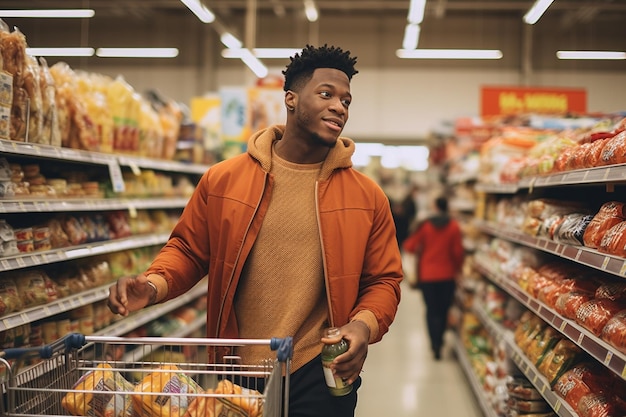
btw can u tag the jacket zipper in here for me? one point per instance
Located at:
(232, 275)
(331, 319)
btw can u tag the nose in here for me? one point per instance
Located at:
(338, 107)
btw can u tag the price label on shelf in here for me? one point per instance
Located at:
(624, 372)
(622, 271)
(608, 357)
(5, 264)
(20, 262)
(605, 262)
(134, 167)
(543, 389)
(115, 172)
(557, 406)
(581, 336)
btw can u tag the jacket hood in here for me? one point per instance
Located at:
(440, 221)
(260, 148)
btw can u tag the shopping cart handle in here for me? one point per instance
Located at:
(65, 344)
(283, 346)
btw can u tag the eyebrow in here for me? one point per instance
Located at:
(333, 87)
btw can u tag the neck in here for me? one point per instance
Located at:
(299, 151)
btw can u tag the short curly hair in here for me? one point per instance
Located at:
(302, 65)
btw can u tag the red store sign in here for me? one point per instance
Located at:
(498, 101)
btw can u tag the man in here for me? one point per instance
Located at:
(293, 240)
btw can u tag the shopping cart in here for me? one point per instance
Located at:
(145, 376)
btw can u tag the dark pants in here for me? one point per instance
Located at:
(438, 297)
(309, 396)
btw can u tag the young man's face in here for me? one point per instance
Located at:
(322, 106)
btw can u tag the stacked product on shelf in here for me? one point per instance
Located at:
(554, 237)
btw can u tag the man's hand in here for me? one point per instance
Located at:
(348, 365)
(131, 294)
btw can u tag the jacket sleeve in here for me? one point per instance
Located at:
(184, 259)
(379, 289)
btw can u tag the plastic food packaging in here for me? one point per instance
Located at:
(594, 314)
(559, 359)
(614, 151)
(610, 213)
(567, 304)
(614, 332)
(105, 404)
(172, 381)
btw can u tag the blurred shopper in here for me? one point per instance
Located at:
(404, 213)
(437, 244)
(293, 240)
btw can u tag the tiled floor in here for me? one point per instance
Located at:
(401, 379)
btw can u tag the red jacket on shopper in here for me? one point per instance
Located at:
(223, 217)
(438, 245)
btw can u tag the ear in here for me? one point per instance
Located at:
(291, 99)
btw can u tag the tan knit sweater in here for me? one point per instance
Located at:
(282, 291)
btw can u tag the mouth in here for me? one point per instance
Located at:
(334, 124)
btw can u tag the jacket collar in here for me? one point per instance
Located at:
(260, 148)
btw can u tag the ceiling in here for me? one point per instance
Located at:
(573, 10)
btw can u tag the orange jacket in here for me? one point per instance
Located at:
(439, 250)
(362, 264)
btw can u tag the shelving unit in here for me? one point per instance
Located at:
(9, 207)
(483, 402)
(604, 180)
(579, 254)
(596, 347)
(525, 365)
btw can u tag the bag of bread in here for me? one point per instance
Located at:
(112, 398)
(211, 406)
(170, 386)
(610, 213)
(248, 399)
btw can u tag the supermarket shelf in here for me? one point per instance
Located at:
(81, 204)
(497, 188)
(526, 366)
(593, 345)
(462, 205)
(146, 315)
(136, 355)
(76, 155)
(479, 393)
(462, 177)
(597, 175)
(607, 263)
(81, 251)
(62, 305)
(163, 165)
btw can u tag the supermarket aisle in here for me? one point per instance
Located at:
(401, 379)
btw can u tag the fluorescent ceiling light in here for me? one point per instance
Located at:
(137, 52)
(48, 13)
(411, 36)
(534, 13)
(60, 51)
(449, 53)
(416, 11)
(254, 64)
(310, 10)
(200, 10)
(264, 53)
(590, 55)
(230, 41)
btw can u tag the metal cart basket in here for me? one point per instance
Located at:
(145, 377)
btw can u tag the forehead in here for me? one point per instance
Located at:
(329, 76)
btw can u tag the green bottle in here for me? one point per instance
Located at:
(330, 351)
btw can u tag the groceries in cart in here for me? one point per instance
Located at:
(166, 392)
(108, 376)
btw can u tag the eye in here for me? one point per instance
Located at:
(325, 94)
(346, 102)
